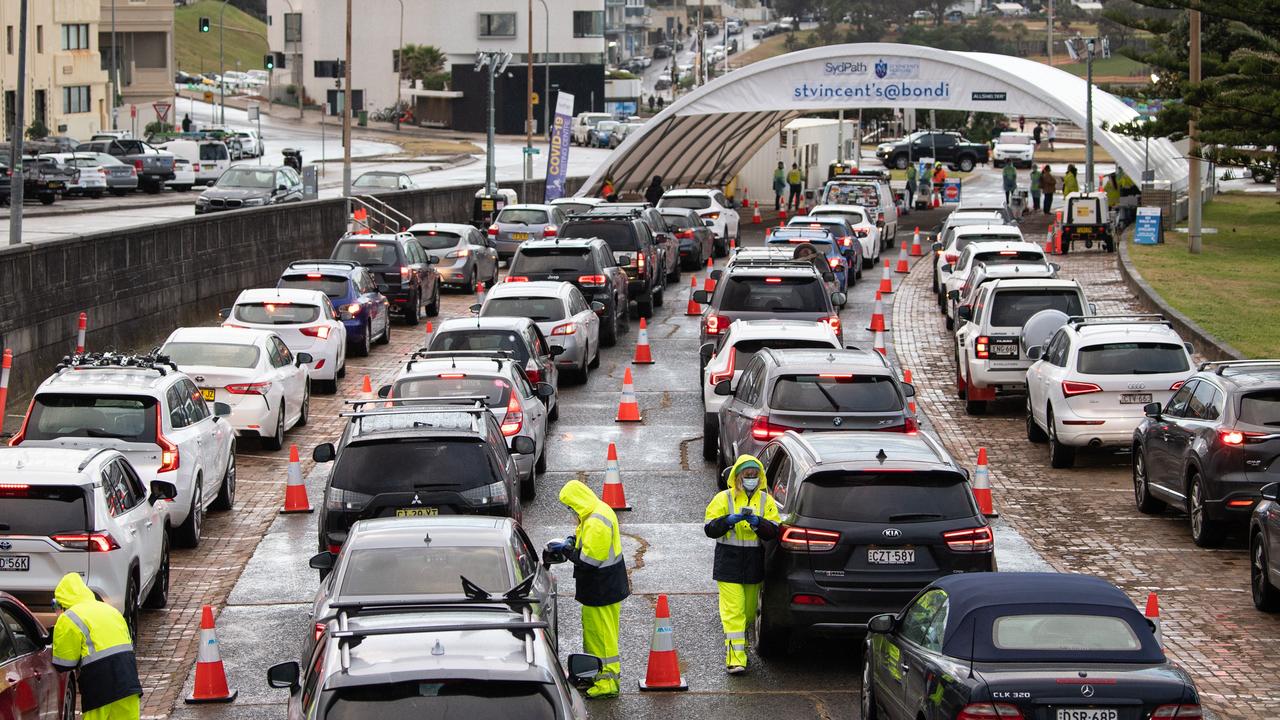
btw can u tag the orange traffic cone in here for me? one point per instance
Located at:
(906, 378)
(692, 308)
(1057, 232)
(982, 485)
(628, 408)
(366, 389)
(1153, 614)
(755, 215)
(613, 495)
(877, 314)
(211, 678)
(664, 667)
(879, 343)
(886, 282)
(295, 493)
(480, 293)
(917, 250)
(782, 213)
(643, 355)
(430, 329)
(1048, 242)
(937, 200)
(903, 266)
(709, 284)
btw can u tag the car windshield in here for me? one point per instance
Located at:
(963, 241)
(831, 225)
(486, 339)
(212, 354)
(1135, 358)
(848, 216)
(892, 497)
(691, 202)
(1009, 257)
(569, 260)
(620, 236)
(443, 699)
(495, 391)
(42, 509)
(1012, 308)
(522, 216)
(1261, 408)
(377, 180)
(367, 253)
(123, 417)
(572, 208)
(393, 466)
(334, 286)
(835, 392)
(864, 194)
(421, 570)
(537, 309)
(1063, 632)
(775, 294)
(1014, 139)
(276, 313)
(436, 239)
(238, 177)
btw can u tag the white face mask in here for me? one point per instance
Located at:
(750, 483)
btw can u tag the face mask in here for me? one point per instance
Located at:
(751, 483)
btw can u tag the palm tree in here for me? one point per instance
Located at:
(419, 61)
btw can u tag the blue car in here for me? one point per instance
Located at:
(826, 245)
(843, 232)
(356, 296)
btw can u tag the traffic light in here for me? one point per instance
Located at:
(204, 24)
(269, 61)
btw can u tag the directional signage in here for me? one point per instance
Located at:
(1146, 231)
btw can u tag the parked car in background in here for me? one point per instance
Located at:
(584, 124)
(209, 158)
(184, 175)
(602, 134)
(245, 186)
(90, 179)
(948, 148)
(380, 181)
(154, 167)
(122, 178)
(251, 143)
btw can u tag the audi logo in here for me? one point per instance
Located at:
(1137, 386)
(891, 532)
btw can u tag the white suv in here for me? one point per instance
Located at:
(979, 247)
(727, 356)
(956, 239)
(87, 512)
(153, 414)
(1088, 385)
(710, 204)
(304, 320)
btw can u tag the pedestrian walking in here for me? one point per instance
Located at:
(1022, 123)
(911, 184)
(92, 637)
(652, 103)
(795, 179)
(1035, 187)
(600, 578)
(779, 185)
(1048, 185)
(1037, 132)
(1070, 183)
(1052, 133)
(662, 102)
(738, 518)
(186, 123)
(1010, 176)
(653, 193)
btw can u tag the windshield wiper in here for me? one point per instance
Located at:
(834, 405)
(914, 516)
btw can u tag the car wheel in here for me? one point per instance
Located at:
(1034, 433)
(772, 640)
(159, 595)
(584, 372)
(412, 309)
(710, 436)
(96, 195)
(1265, 595)
(385, 337)
(966, 164)
(867, 263)
(1142, 484)
(1060, 456)
(554, 414)
(624, 320)
(870, 711)
(661, 295)
(361, 349)
(901, 162)
(131, 608)
(529, 486)
(188, 533)
(227, 495)
(644, 308)
(276, 440)
(47, 199)
(540, 466)
(674, 275)
(1205, 532)
(433, 308)
(951, 324)
(609, 328)
(69, 699)
(305, 415)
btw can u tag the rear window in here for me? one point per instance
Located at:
(495, 391)
(890, 497)
(835, 392)
(214, 151)
(862, 194)
(522, 216)
(334, 286)
(537, 309)
(424, 570)
(573, 208)
(471, 699)
(677, 221)
(1076, 633)
(620, 236)
(124, 417)
(367, 253)
(1132, 359)
(1009, 257)
(277, 313)
(406, 465)
(747, 349)
(775, 294)
(436, 239)
(694, 202)
(213, 354)
(551, 260)
(1261, 408)
(1012, 308)
(849, 217)
(42, 510)
(482, 339)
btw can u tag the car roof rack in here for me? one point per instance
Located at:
(406, 406)
(343, 263)
(1218, 366)
(770, 262)
(1118, 319)
(497, 356)
(116, 361)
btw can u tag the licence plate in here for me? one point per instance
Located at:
(1135, 398)
(207, 393)
(417, 512)
(1083, 231)
(55, 184)
(519, 236)
(1088, 714)
(897, 556)
(1004, 350)
(15, 563)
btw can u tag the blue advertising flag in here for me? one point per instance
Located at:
(558, 152)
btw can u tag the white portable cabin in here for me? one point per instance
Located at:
(810, 142)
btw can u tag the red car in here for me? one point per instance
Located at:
(33, 689)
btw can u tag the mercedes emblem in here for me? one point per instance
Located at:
(1086, 690)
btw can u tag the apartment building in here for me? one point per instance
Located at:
(141, 54)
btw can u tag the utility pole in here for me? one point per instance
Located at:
(1193, 162)
(19, 177)
(1050, 28)
(222, 66)
(546, 71)
(700, 60)
(1088, 112)
(115, 67)
(494, 63)
(528, 116)
(346, 113)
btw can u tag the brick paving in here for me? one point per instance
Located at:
(1084, 520)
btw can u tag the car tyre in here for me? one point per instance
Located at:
(772, 640)
(188, 533)
(1035, 433)
(132, 610)
(69, 699)
(540, 466)
(900, 162)
(226, 499)
(1205, 533)
(413, 309)
(966, 164)
(595, 359)
(159, 595)
(951, 324)
(433, 308)
(385, 337)
(609, 328)
(710, 436)
(554, 414)
(660, 296)
(1142, 484)
(644, 308)
(275, 441)
(1060, 456)
(870, 711)
(1265, 595)
(361, 349)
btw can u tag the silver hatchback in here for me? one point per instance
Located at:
(463, 255)
(563, 315)
(517, 223)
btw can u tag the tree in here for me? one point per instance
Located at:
(420, 62)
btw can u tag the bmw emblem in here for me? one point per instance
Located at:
(6, 545)
(837, 421)
(1086, 690)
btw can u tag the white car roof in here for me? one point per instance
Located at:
(850, 209)
(991, 273)
(447, 227)
(107, 380)
(527, 206)
(758, 329)
(291, 295)
(219, 334)
(430, 367)
(575, 201)
(998, 245)
(1121, 332)
(494, 322)
(987, 229)
(1016, 284)
(690, 192)
(39, 466)
(541, 288)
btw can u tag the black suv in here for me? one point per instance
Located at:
(633, 246)
(589, 264)
(764, 289)
(868, 520)
(664, 235)
(944, 147)
(1210, 451)
(415, 459)
(399, 262)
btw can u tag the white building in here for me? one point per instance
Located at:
(810, 143)
(311, 30)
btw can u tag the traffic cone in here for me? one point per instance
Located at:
(982, 485)
(628, 408)
(745, 204)
(613, 495)
(81, 324)
(782, 213)
(1048, 242)
(917, 250)
(709, 284)
(211, 678)
(877, 314)
(906, 378)
(366, 389)
(1057, 232)
(1152, 613)
(480, 293)
(663, 672)
(430, 329)
(903, 266)
(937, 200)
(755, 215)
(692, 308)
(879, 343)
(6, 364)
(643, 355)
(886, 282)
(295, 493)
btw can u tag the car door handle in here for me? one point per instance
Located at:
(905, 668)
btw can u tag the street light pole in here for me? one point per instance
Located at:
(528, 109)
(1193, 181)
(400, 56)
(15, 162)
(346, 113)
(222, 65)
(546, 71)
(115, 68)
(1088, 112)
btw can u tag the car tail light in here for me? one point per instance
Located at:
(715, 378)
(533, 373)
(351, 309)
(195, 167)
(1240, 503)
(317, 331)
(22, 431)
(94, 542)
(319, 630)
(711, 216)
(458, 254)
(982, 348)
(133, 171)
(549, 231)
(1178, 385)
(404, 273)
(137, 164)
(987, 710)
(367, 245)
(834, 322)
(808, 539)
(910, 425)
(170, 458)
(861, 232)
(591, 280)
(773, 281)
(452, 376)
(836, 263)
(1071, 388)
(314, 276)
(102, 172)
(977, 539)
(880, 217)
(846, 241)
(950, 258)
(493, 231)
(1236, 438)
(685, 234)
(258, 388)
(517, 278)
(565, 329)
(514, 419)
(715, 324)
(1008, 253)
(638, 261)
(1178, 711)
(808, 600)
(762, 429)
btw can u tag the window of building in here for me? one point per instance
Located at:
(39, 38)
(293, 27)
(588, 23)
(8, 39)
(497, 24)
(75, 99)
(75, 36)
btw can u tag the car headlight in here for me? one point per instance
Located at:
(202, 200)
(255, 202)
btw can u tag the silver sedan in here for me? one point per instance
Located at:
(562, 314)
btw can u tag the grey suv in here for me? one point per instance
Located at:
(764, 289)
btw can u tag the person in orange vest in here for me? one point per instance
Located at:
(939, 176)
(607, 191)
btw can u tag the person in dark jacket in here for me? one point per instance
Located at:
(653, 193)
(738, 518)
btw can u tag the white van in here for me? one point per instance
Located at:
(209, 158)
(584, 123)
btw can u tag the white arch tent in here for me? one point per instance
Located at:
(707, 136)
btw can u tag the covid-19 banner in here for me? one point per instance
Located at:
(558, 153)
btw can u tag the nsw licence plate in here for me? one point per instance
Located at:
(519, 236)
(1135, 398)
(1004, 350)
(895, 556)
(207, 393)
(15, 563)
(1088, 714)
(417, 512)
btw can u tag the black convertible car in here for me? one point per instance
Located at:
(1015, 646)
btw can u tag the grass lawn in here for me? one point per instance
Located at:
(1116, 65)
(244, 37)
(1230, 288)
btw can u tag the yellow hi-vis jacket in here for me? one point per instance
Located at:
(93, 637)
(598, 567)
(739, 554)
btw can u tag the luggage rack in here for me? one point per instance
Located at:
(413, 406)
(423, 354)
(1219, 366)
(116, 361)
(1119, 319)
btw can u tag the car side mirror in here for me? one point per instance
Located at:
(597, 308)
(284, 675)
(908, 389)
(322, 561)
(224, 313)
(839, 298)
(583, 668)
(522, 445)
(1270, 491)
(556, 350)
(965, 313)
(1034, 352)
(282, 188)
(544, 390)
(221, 409)
(624, 259)
(709, 223)
(1152, 410)
(324, 453)
(1055, 267)
(432, 260)
(303, 358)
(705, 352)
(162, 490)
(952, 294)
(829, 276)
(475, 308)
(882, 624)
(724, 388)
(717, 274)
(937, 247)
(702, 297)
(1093, 308)
(384, 392)
(384, 288)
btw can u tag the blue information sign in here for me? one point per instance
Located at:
(1147, 230)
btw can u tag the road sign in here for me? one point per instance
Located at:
(254, 109)
(531, 150)
(951, 191)
(1146, 231)
(535, 99)
(133, 111)
(162, 110)
(208, 96)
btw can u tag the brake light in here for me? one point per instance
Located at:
(493, 231)
(982, 348)
(1178, 711)
(514, 419)
(137, 164)
(351, 309)
(808, 600)
(452, 376)
(258, 388)
(14, 489)
(834, 322)
(319, 630)
(977, 539)
(712, 216)
(591, 280)
(1008, 253)
(92, 542)
(517, 278)
(762, 429)
(715, 324)
(835, 263)
(1177, 385)
(910, 425)
(773, 281)
(314, 276)
(170, 458)
(1236, 438)
(846, 241)
(565, 329)
(195, 167)
(685, 234)
(22, 431)
(1070, 388)
(715, 378)
(533, 373)
(985, 711)
(950, 258)
(808, 539)
(458, 254)
(318, 331)
(367, 245)
(404, 273)
(549, 231)
(880, 216)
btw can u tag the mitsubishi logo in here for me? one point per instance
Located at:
(891, 532)
(1086, 690)
(416, 500)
